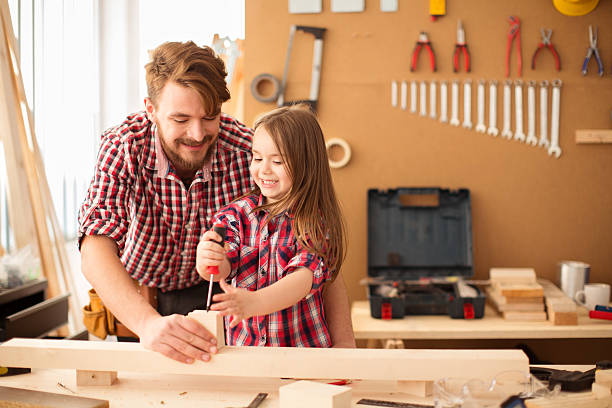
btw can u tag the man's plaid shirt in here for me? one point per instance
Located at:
(261, 252)
(137, 199)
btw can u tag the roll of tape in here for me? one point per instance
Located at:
(347, 152)
(261, 79)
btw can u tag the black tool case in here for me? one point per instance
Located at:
(419, 247)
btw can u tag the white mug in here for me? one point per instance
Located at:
(593, 294)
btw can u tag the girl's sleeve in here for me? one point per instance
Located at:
(229, 217)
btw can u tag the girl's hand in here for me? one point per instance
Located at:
(209, 253)
(237, 302)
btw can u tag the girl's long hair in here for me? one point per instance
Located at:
(318, 223)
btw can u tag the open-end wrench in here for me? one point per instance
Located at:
(554, 149)
(423, 98)
(413, 96)
(455, 103)
(432, 99)
(480, 126)
(506, 132)
(543, 142)
(394, 94)
(531, 102)
(518, 104)
(467, 104)
(404, 95)
(492, 130)
(443, 101)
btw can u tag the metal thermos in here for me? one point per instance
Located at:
(572, 275)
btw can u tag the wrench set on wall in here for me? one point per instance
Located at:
(546, 138)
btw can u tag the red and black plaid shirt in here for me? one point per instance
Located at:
(262, 251)
(137, 199)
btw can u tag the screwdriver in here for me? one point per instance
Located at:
(214, 270)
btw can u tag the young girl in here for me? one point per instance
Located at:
(284, 240)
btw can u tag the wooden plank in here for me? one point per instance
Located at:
(20, 398)
(98, 378)
(273, 362)
(512, 275)
(525, 316)
(309, 394)
(501, 303)
(593, 136)
(521, 290)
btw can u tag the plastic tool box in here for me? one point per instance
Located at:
(419, 250)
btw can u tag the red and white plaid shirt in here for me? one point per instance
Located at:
(262, 251)
(137, 199)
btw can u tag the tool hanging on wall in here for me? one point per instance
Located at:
(413, 96)
(423, 42)
(461, 48)
(315, 77)
(531, 102)
(514, 32)
(546, 34)
(467, 104)
(432, 99)
(543, 142)
(506, 132)
(480, 126)
(437, 9)
(404, 95)
(492, 129)
(518, 105)
(555, 149)
(394, 94)
(593, 51)
(443, 101)
(455, 103)
(423, 98)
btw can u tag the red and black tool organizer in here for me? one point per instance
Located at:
(419, 244)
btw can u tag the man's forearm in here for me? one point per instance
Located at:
(338, 314)
(103, 269)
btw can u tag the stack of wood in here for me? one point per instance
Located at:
(560, 307)
(516, 294)
(602, 387)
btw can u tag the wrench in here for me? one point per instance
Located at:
(480, 126)
(432, 99)
(455, 103)
(423, 98)
(506, 132)
(531, 137)
(443, 101)
(492, 130)
(394, 94)
(413, 96)
(554, 148)
(404, 95)
(467, 104)
(518, 104)
(543, 142)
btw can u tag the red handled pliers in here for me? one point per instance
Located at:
(460, 47)
(423, 41)
(546, 34)
(515, 32)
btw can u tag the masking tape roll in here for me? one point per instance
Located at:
(347, 152)
(260, 79)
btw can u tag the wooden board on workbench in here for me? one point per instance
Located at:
(20, 398)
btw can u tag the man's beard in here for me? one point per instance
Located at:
(182, 164)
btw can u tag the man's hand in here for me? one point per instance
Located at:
(209, 253)
(179, 338)
(237, 302)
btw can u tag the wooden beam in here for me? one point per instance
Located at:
(271, 362)
(309, 394)
(19, 398)
(591, 136)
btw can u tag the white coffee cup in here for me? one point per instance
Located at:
(593, 294)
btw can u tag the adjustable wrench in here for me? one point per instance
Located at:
(518, 104)
(443, 101)
(480, 126)
(432, 99)
(492, 130)
(531, 137)
(543, 142)
(467, 104)
(404, 95)
(455, 103)
(506, 132)
(413, 96)
(554, 148)
(423, 98)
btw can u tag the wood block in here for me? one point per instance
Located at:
(86, 377)
(20, 398)
(500, 302)
(309, 394)
(560, 304)
(512, 275)
(519, 290)
(213, 321)
(601, 390)
(563, 318)
(418, 388)
(525, 316)
(603, 377)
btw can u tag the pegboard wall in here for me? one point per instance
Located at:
(528, 209)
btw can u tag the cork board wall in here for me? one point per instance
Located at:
(528, 209)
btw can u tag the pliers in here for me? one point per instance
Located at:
(423, 41)
(515, 32)
(546, 34)
(461, 46)
(592, 51)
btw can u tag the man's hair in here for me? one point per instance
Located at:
(189, 65)
(318, 223)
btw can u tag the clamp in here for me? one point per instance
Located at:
(592, 51)
(461, 47)
(546, 34)
(515, 32)
(423, 41)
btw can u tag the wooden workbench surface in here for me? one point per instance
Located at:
(492, 326)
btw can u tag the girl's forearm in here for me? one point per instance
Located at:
(284, 293)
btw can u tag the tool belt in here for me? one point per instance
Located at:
(100, 322)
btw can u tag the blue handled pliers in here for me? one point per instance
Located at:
(592, 51)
